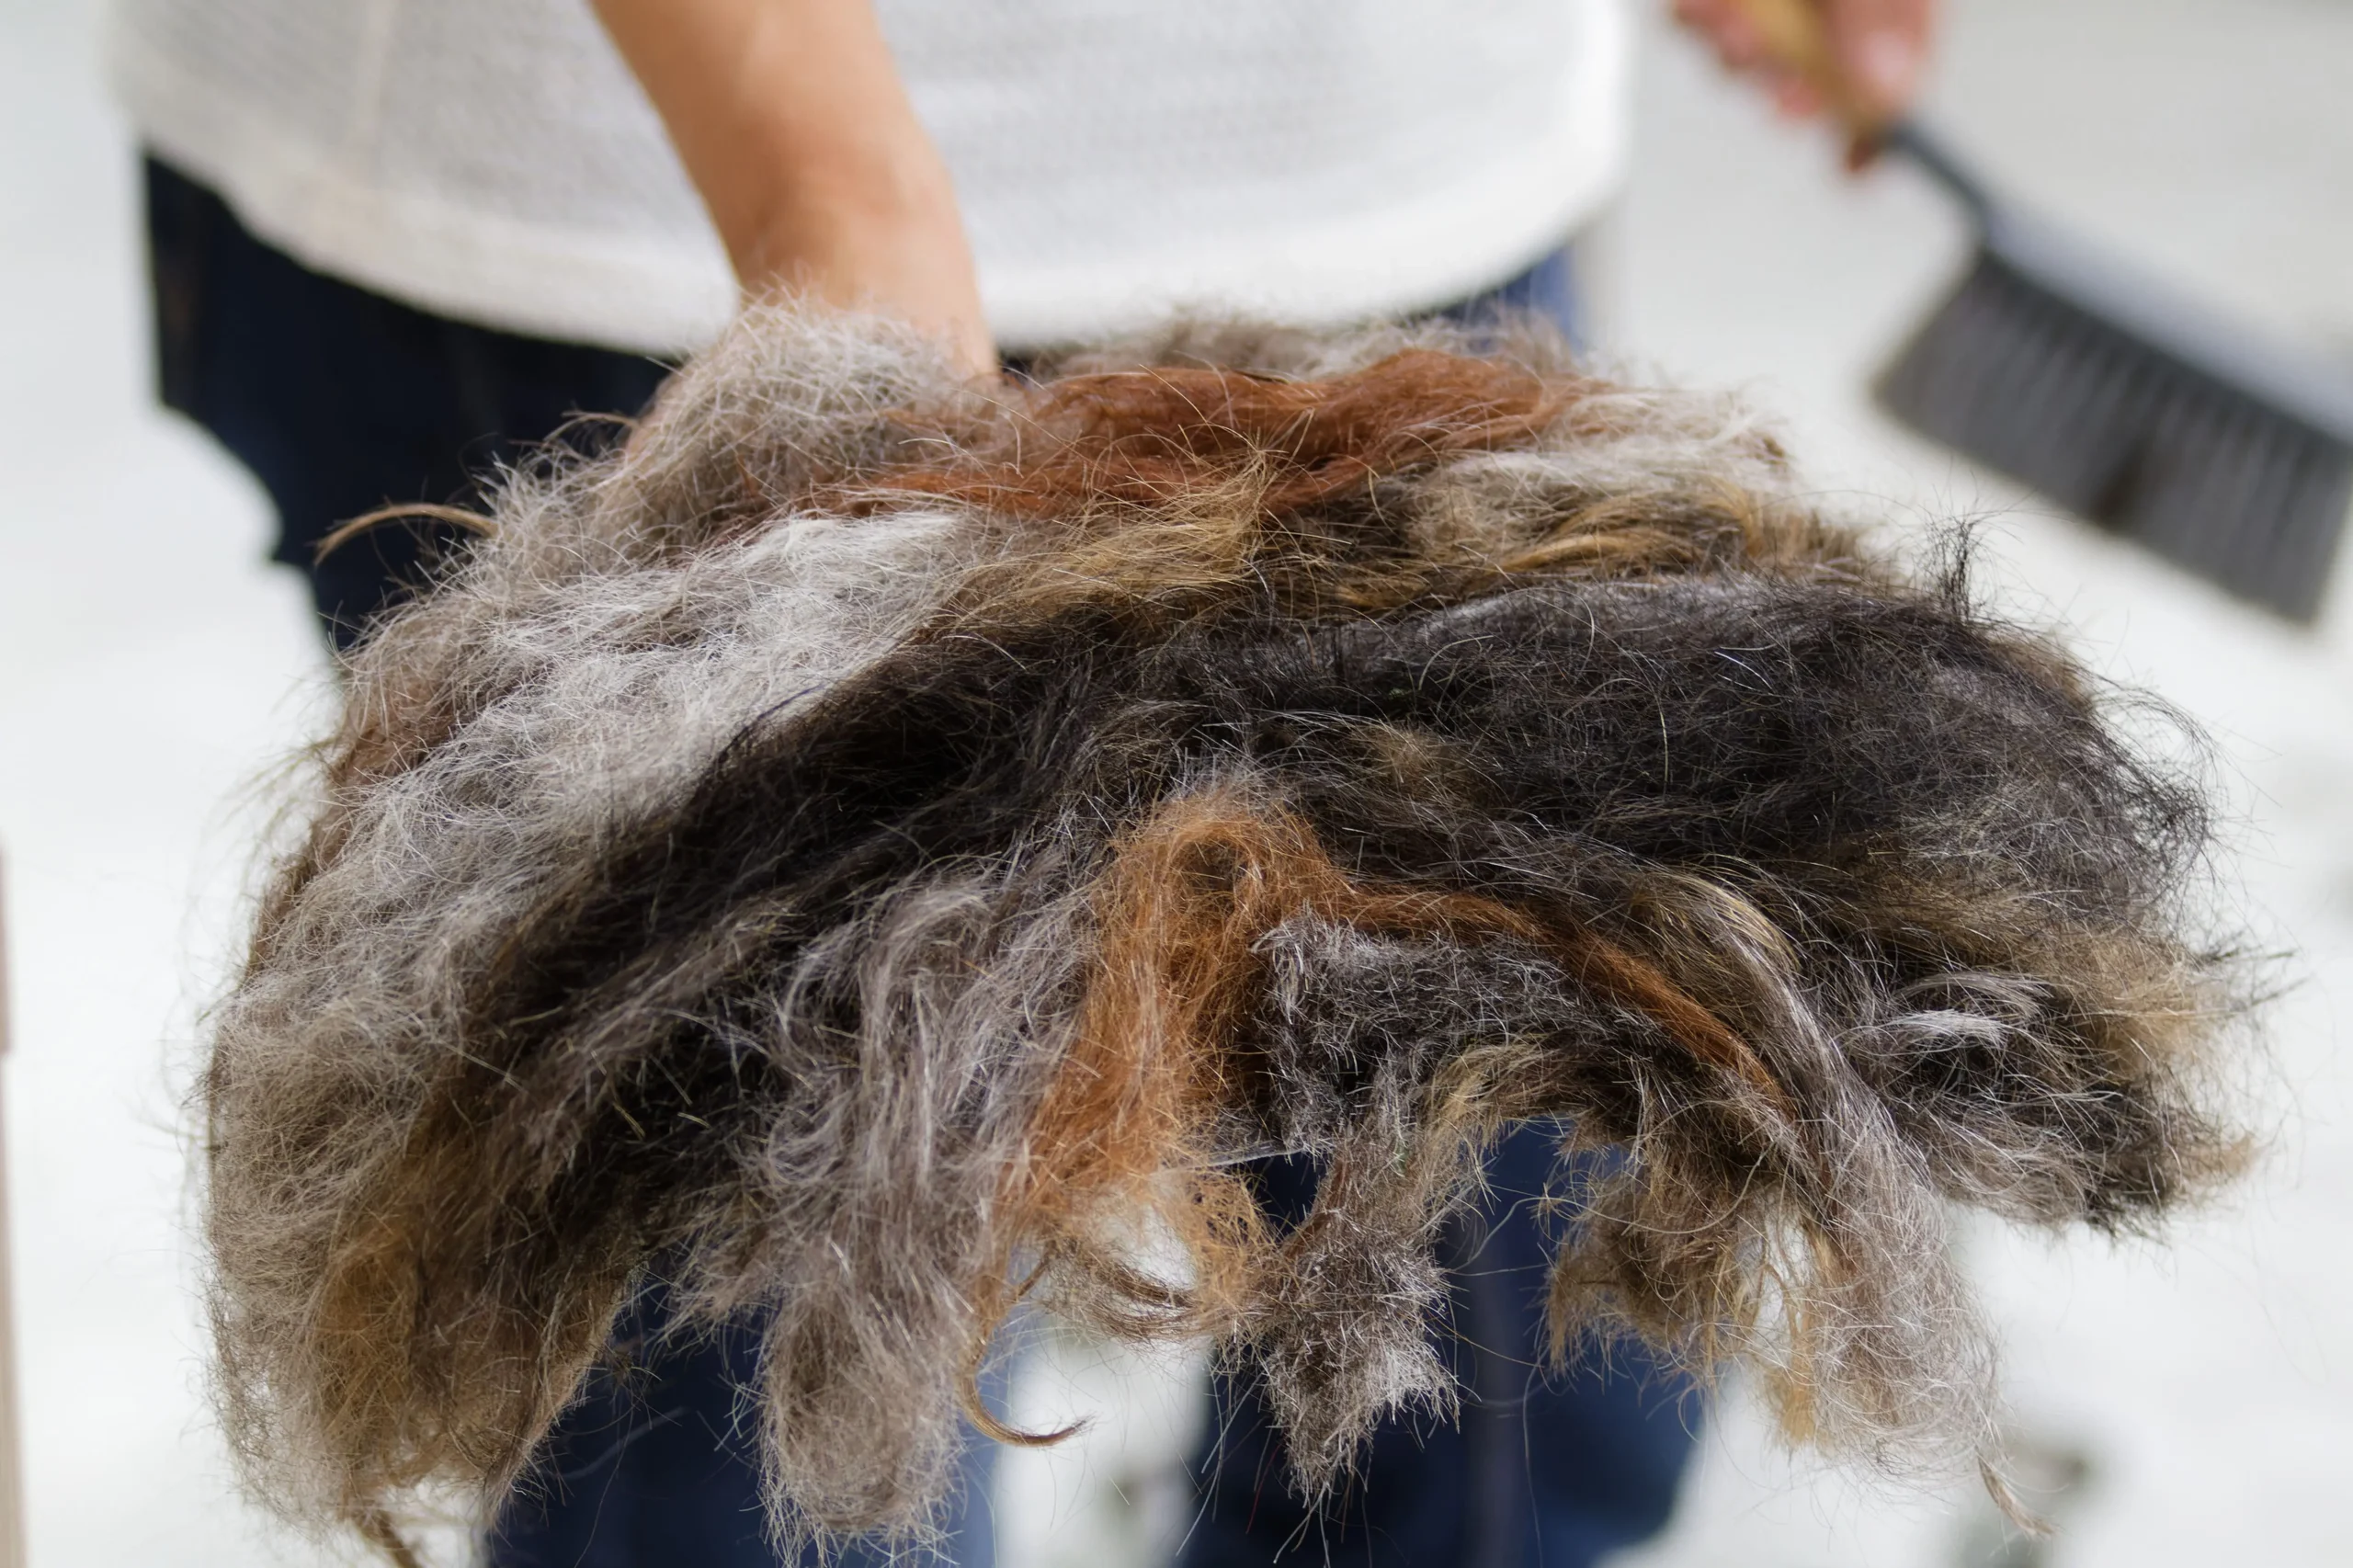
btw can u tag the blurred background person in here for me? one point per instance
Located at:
(394, 242)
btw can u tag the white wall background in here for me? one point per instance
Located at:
(151, 667)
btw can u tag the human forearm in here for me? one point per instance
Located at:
(790, 119)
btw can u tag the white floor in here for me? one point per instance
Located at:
(151, 670)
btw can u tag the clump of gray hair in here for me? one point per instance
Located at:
(872, 847)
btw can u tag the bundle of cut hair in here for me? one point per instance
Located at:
(873, 849)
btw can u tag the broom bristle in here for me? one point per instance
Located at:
(2140, 414)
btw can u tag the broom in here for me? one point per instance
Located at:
(2105, 391)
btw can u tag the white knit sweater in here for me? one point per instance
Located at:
(1318, 159)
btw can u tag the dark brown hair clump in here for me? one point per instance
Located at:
(874, 848)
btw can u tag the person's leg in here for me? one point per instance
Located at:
(1573, 1462)
(1552, 1469)
(656, 1464)
(660, 1464)
(1406, 1504)
(341, 401)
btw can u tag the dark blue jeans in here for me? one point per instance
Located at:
(659, 1465)
(1546, 1468)
(340, 401)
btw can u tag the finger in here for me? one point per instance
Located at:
(1727, 28)
(1796, 98)
(1882, 46)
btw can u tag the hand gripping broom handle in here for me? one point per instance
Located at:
(1794, 36)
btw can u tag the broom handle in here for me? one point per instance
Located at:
(1931, 156)
(1794, 36)
(12, 1493)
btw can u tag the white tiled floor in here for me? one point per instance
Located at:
(151, 669)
